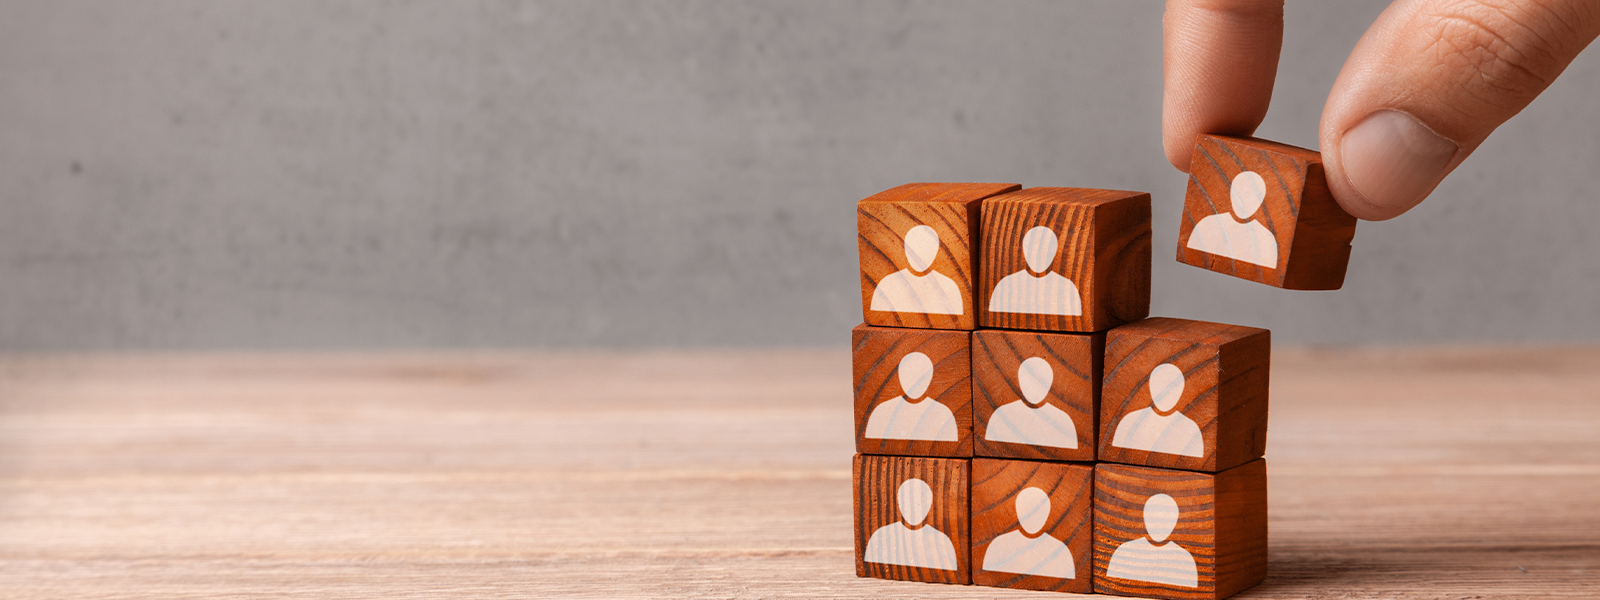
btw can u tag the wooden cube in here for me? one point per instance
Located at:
(1185, 394)
(1031, 525)
(1261, 211)
(911, 518)
(918, 245)
(1036, 395)
(913, 391)
(1160, 533)
(1065, 259)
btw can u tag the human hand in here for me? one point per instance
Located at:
(1427, 83)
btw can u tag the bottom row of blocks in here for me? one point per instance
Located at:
(1039, 525)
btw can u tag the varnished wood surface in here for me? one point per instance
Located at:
(877, 481)
(1075, 362)
(1226, 377)
(1103, 239)
(876, 353)
(996, 484)
(952, 210)
(1313, 233)
(1221, 525)
(1420, 474)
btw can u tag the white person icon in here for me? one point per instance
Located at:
(1151, 430)
(1237, 236)
(1031, 420)
(1036, 289)
(919, 289)
(1027, 551)
(910, 542)
(912, 416)
(1160, 562)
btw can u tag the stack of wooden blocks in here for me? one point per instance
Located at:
(1021, 423)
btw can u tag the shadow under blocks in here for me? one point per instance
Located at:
(1021, 423)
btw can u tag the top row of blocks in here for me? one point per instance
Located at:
(1054, 259)
(969, 255)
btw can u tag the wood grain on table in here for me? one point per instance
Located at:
(1402, 474)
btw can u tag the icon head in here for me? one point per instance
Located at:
(915, 499)
(1248, 192)
(1033, 509)
(1035, 377)
(1039, 248)
(922, 245)
(916, 372)
(1160, 516)
(1166, 387)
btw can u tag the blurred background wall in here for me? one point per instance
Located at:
(206, 174)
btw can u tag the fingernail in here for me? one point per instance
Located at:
(1394, 160)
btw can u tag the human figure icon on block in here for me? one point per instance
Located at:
(919, 289)
(1158, 562)
(1031, 420)
(909, 542)
(1157, 428)
(911, 416)
(1237, 236)
(1026, 551)
(1035, 289)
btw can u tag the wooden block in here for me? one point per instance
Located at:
(911, 518)
(1160, 533)
(1036, 395)
(1185, 394)
(918, 246)
(1032, 525)
(1261, 211)
(1065, 259)
(913, 390)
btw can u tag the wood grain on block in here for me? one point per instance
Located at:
(1036, 395)
(913, 391)
(918, 247)
(1065, 259)
(1032, 525)
(1261, 211)
(911, 518)
(1161, 533)
(1185, 394)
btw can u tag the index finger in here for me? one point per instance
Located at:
(1219, 60)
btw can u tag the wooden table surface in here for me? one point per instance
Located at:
(1401, 474)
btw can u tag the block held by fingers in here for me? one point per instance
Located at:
(1261, 211)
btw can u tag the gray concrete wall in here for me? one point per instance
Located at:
(320, 174)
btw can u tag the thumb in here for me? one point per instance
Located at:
(1429, 82)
